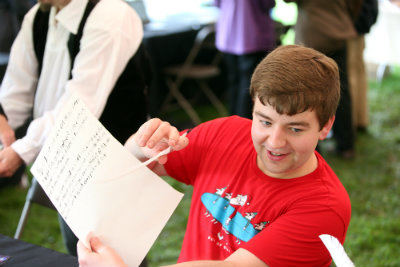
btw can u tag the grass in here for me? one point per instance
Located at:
(372, 180)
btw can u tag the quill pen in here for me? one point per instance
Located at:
(337, 251)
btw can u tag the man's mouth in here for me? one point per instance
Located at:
(276, 156)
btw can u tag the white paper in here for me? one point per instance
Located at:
(99, 188)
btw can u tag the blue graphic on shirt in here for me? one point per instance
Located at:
(222, 210)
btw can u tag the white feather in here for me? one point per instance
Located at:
(337, 251)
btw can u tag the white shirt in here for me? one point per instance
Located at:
(112, 34)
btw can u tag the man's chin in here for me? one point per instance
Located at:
(44, 7)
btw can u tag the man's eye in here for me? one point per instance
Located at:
(296, 130)
(265, 122)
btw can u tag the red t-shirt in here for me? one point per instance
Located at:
(235, 205)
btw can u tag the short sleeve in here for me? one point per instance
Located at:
(182, 165)
(293, 239)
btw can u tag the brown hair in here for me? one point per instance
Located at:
(294, 79)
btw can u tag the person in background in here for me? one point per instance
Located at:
(262, 195)
(11, 15)
(88, 48)
(358, 82)
(245, 34)
(327, 28)
(364, 17)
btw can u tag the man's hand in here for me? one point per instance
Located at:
(98, 255)
(154, 136)
(10, 161)
(7, 135)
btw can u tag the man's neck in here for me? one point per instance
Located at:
(58, 4)
(62, 5)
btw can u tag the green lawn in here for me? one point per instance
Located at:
(372, 180)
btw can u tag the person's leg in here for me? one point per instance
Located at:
(230, 64)
(352, 57)
(246, 63)
(343, 129)
(357, 81)
(363, 119)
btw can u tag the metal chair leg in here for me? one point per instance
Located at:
(22, 219)
(35, 195)
(213, 98)
(183, 102)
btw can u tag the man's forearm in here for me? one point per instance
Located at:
(240, 258)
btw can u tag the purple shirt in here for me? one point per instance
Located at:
(245, 26)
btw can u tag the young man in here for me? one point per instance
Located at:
(262, 194)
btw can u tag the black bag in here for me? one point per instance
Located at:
(366, 16)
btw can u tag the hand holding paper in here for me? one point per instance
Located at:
(99, 187)
(98, 255)
(153, 137)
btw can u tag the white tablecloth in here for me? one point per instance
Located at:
(382, 44)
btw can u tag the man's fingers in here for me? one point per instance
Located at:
(163, 159)
(96, 244)
(163, 134)
(146, 131)
(154, 132)
(183, 141)
(81, 248)
(157, 135)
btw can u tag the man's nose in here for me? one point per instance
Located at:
(277, 138)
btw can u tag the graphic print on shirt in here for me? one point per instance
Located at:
(224, 210)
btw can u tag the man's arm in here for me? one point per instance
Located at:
(101, 255)
(10, 161)
(112, 35)
(16, 95)
(19, 83)
(239, 258)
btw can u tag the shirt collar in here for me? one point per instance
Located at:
(69, 14)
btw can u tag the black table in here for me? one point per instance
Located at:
(26, 254)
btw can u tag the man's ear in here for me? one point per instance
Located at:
(326, 129)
